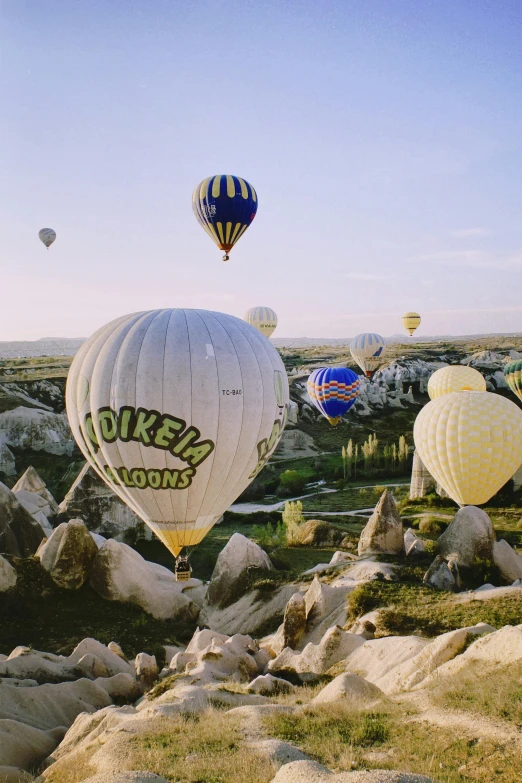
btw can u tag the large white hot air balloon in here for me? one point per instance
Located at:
(367, 350)
(177, 410)
(47, 236)
(263, 319)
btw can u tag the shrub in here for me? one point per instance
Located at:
(292, 518)
(430, 525)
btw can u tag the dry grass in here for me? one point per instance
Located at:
(198, 749)
(494, 693)
(343, 739)
(71, 768)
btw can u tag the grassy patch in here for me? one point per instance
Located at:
(197, 749)
(471, 691)
(341, 738)
(40, 615)
(410, 608)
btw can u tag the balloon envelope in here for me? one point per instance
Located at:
(411, 321)
(471, 443)
(225, 206)
(263, 319)
(333, 390)
(177, 411)
(367, 350)
(455, 378)
(513, 375)
(47, 236)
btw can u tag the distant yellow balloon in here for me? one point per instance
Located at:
(471, 443)
(411, 321)
(455, 378)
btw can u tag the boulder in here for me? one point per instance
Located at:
(383, 532)
(34, 429)
(239, 556)
(267, 685)
(92, 500)
(350, 688)
(507, 561)
(7, 575)
(114, 663)
(315, 532)
(469, 537)
(147, 669)
(7, 461)
(120, 687)
(440, 576)
(31, 482)
(116, 649)
(119, 573)
(68, 554)
(316, 659)
(20, 534)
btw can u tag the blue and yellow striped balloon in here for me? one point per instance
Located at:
(225, 206)
(333, 390)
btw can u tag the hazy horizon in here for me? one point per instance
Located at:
(383, 141)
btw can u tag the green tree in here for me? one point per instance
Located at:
(291, 482)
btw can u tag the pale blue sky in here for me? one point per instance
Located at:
(384, 138)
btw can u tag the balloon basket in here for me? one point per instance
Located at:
(183, 570)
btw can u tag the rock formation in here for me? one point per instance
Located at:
(36, 430)
(92, 500)
(119, 573)
(7, 461)
(469, 537)
(383, 532)
(422, 482)
(68, 554)
(239, 556)
(20, 534)
(31, 482)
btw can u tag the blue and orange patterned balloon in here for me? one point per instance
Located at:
(333, 390)
(225, 206)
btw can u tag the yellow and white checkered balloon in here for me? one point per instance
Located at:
(471, 443)
(455, 378)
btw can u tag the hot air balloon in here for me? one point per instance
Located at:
(513, 375)
(177, 411)
(333, 391)
(367, 350)
(471, 443)
(225, 206)
(47, 236)
(263, 319)
(455, 378)
(411, 321)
